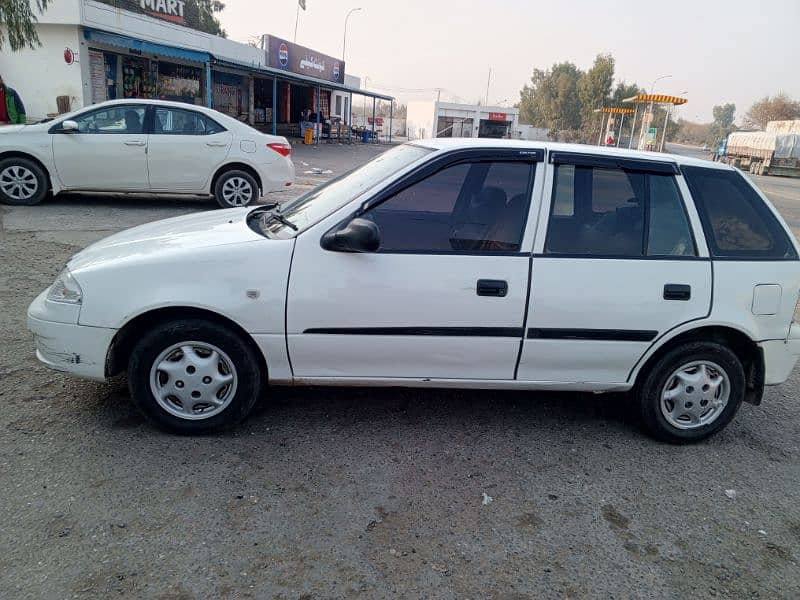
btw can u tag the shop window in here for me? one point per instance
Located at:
(179, 82)
(339, 106)
(174, 121)
(118, 120)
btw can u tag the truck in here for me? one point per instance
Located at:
(775, 151)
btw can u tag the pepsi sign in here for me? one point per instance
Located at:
(303, 61)
(283, 54)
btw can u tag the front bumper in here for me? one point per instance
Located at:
(780, 356)
(68, 347)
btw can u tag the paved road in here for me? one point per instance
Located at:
(362, 493)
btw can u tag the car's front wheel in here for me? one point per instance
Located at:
(235, 188)
(22, 182)
(691, 392)
(194, 376)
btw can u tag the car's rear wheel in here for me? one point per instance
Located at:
(235, 188)
(22, 182)
(691, 392)
(194, 376)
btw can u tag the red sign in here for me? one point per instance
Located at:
(378, 120)
(69, 56)
(497, 116)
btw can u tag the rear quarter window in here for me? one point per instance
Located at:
(737, 222)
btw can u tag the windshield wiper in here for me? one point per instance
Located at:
(277, 216)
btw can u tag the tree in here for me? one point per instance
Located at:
(202, 13)
(724, 115)
(552, 101)
(776, 108)
(19, 17)
(594, 90)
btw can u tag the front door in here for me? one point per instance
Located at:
(107, 153)
(185, 148)
(617, 267)
(443, 297)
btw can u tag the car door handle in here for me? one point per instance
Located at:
(135, 142)
(492, 287)
(216, 144)
(677, 291)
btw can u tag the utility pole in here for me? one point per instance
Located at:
(486, 102)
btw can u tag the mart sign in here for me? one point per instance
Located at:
(170, 10)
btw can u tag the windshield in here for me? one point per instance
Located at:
(310, 208)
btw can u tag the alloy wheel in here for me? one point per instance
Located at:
(18, 182)
(237, 191)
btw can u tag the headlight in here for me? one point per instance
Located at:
(65, 289)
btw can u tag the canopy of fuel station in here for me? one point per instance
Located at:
(652, 99)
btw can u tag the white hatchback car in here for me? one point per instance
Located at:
(143, 146)
(449, 263)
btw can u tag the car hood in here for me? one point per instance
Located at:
(11, 128)
(177, 235)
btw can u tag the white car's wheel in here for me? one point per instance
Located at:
(194, 376)
(692, 392)
(22, 182)
(235, 188)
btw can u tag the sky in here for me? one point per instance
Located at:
(714, 52)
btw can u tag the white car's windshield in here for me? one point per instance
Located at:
(310, 208)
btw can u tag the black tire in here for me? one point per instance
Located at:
(648, 393)
(247, 368)
(9, 166)
(235, 177)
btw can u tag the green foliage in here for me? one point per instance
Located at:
(19, 17)
(724, 115)
(563, 99)
(552, 101)
(203, 13)
(776, 108)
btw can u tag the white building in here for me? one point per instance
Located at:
(96, 50)
(432, 119)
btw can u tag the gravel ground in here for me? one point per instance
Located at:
(362, 493)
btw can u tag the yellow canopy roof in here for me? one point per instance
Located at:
(657, 98)
(614, 109)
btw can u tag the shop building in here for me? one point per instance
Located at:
(434, 119)
(97, 50)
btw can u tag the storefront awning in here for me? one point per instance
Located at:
(128, 43)
(657, 98)
(280, 74)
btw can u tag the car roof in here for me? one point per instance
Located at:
(464, 143)
(155, 102)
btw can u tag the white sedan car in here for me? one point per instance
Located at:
(450, 263)
(143, 146)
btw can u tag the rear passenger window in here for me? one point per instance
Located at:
(614, 212)
(737, 222)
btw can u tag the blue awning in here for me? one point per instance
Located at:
(128, 43)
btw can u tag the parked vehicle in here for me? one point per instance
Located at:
(775, 151)
(144, 146)
(450, 263)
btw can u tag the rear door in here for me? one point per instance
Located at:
(184, 149)
(443, 297)
(615, 266)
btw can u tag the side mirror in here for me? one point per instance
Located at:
(359, 235)
(69, 126)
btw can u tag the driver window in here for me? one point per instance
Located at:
(475, 207)
(114, 120)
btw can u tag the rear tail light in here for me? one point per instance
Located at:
(282, 148)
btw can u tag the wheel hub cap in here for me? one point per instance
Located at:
(18, 182)
(193, 380)
(695, 395)
(237, 191)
